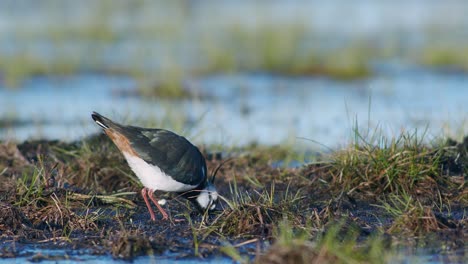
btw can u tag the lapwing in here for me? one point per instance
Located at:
(163, 161)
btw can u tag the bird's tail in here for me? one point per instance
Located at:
(102, 121)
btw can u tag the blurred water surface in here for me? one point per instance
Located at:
(268, 108)
(152, 35)
(246, 108)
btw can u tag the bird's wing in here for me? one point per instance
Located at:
(172, 153)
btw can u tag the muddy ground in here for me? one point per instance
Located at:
(57, 195)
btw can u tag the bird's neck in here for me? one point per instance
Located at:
(192, 195)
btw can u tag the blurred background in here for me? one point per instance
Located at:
(235, 72)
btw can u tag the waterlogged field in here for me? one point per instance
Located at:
(376, 202)
(331, 141)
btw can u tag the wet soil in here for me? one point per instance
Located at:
(56, 195)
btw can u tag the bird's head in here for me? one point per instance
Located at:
(207, 198)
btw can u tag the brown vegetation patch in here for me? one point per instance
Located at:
(295, 253)
(65, 192)
(129, 247)
(12, 220)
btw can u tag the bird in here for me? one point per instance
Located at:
(163, 161)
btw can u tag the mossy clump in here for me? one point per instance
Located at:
(401, 166)
(413, 218)
(128, 247)
(332, 246)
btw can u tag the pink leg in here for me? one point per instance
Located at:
(165, 216)
(143, 193)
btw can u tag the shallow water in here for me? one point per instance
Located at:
(247, 108)
(73, 256)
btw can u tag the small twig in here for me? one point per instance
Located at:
(54, 239)
(108, 199)
(253, 240)
(260, 217)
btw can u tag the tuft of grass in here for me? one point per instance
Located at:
(195, 234)
(412, 218)
(234, 253)
(97, 165)
(396, 166)
(31, 186)
(132, 244)
(252, 214)
(58, 213)
(50, 209)
(289, 247)
(294, 247)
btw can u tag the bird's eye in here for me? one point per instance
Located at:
(213, 204)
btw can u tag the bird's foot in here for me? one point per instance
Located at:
(165, 216)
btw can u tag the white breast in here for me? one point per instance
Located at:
(153, 177)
